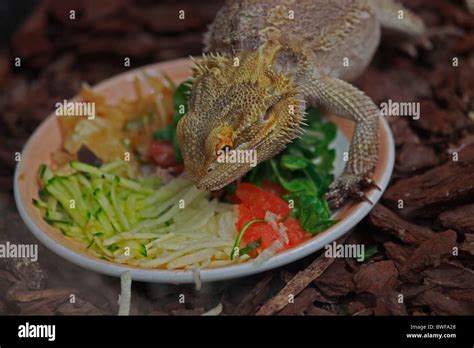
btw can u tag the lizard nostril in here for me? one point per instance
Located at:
(210, 169)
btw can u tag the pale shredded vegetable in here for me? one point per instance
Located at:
(197, 277)
(175, 226)
(214, 311)
(125, 293)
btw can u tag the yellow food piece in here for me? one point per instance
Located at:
(106, 135)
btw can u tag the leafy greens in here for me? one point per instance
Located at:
(304, 169)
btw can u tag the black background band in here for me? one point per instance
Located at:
(241, 330)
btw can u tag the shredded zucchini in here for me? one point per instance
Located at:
(138, 222)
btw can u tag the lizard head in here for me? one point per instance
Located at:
(241, 105)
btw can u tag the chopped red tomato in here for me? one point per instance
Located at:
(263, 232)
(296, 234)
(162, 153)
(261, 201)
(256, 231)
(273, 188)
(245, 215)
(176, 169)
(254, 203)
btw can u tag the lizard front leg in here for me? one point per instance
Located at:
(345, 100)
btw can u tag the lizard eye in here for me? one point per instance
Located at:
(268, 115)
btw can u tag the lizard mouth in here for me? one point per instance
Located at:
(222, 176)
(225, 173)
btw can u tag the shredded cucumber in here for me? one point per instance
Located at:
(86, 168)
(113, 166)
(138, 222)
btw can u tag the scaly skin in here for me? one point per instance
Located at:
(272, 59)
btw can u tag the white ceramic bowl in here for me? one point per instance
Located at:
(47, 138)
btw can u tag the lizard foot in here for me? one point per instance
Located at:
(410, 47)
(349, 185)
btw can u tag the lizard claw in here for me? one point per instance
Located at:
(370, 183)
(411, 47)
(361, 195)
(347, 186)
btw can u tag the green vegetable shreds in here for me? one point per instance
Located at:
(137, 221)
(304, 170)
(90, 203)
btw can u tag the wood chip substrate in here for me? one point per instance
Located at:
(421, 233)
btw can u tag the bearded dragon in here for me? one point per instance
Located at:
(269, 60)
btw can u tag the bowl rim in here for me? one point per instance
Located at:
(358, 212)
